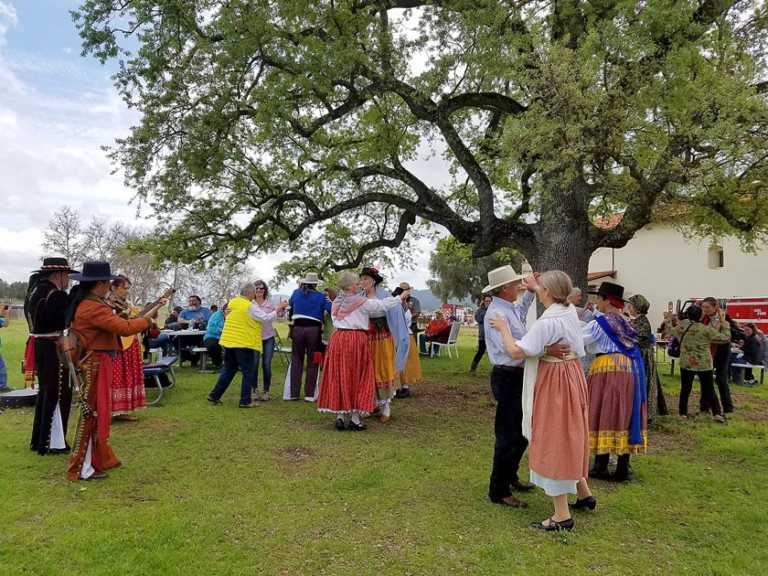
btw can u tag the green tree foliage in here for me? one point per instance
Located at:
(10, 291)
(457, 274)
(297, 124)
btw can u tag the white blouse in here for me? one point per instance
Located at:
(359, 319)
(560, 324)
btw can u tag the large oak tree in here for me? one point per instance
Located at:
(296, 124)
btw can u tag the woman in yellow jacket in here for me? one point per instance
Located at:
(241, 342)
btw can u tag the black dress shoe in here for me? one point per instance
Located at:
(588, 503)
(623, 476)
(213, 400)
(554, 526)
(600, 474)
(353, 427)
(340, 426)
(518, 486)
(510, 502)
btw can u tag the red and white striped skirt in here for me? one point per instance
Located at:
(347, 384)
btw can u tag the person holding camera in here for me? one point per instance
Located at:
(696, 339)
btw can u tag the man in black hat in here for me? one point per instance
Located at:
(45, 308)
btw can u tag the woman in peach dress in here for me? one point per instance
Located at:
(555, 405)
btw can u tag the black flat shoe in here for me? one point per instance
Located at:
(588, 503)
(518, 486)
(554, 526)
(352, 427)
(214, 401)
(340, 426)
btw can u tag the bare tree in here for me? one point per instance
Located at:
(64, 236)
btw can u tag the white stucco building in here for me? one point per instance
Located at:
(664, 266)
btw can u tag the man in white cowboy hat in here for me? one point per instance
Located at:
(505, 285)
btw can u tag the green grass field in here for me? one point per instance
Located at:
(276, 490)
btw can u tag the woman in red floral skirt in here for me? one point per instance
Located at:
(128, 373)
(347, 386)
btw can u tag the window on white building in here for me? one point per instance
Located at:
(715, 256)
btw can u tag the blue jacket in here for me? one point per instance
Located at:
(399, 330)
(311, 305)
(215, 326)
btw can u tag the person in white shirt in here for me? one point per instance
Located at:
(347, 386)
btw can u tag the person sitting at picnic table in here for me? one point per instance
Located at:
(172, 320)
(194, 315)
(212, 336)
(155, 337)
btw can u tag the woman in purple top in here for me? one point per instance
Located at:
(267, 341)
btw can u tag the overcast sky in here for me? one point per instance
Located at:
(56, 111)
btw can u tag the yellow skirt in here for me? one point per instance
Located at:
(383, 354)
(412, 372)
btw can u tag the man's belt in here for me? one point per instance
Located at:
(507, 368)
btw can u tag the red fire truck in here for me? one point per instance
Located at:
(743, 310)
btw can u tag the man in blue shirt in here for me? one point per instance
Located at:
(194, 313)
(505, 285)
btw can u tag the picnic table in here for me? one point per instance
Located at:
(157, 372)
(185, 339)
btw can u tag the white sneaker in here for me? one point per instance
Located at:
(265, 396)
(308, 399)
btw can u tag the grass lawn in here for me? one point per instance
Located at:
(276, 490)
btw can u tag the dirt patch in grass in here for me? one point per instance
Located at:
(293, 459)
(459, 394)
(751, 407)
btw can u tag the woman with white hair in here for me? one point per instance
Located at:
(555, 406)
(347, 387)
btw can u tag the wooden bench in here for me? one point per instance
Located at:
(163, 366)
(743, 365)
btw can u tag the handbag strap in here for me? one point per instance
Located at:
(686, 332)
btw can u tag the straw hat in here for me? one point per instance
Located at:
(405, 286)
(310, 278)
(500, 276)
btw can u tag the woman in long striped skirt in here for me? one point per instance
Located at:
(618, 407)
(347, 386)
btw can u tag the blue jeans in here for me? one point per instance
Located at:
(244, 359)
(162, 341)
(268, 350)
